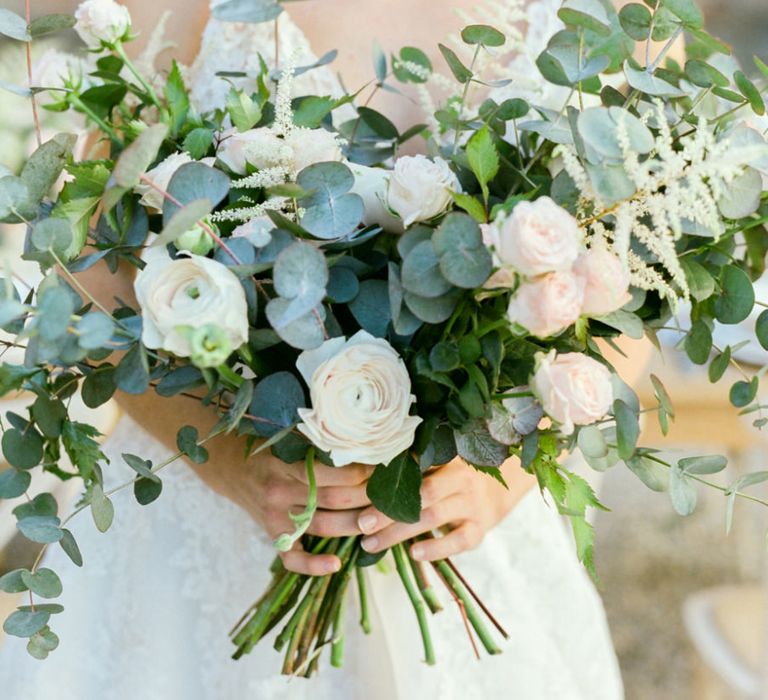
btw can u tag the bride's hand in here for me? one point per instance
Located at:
(469, 502)
(269, 489)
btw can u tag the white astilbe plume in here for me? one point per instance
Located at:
(269, 177)
(281, 204)
(673, 188)
(283, 111)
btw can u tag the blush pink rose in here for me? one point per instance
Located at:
(573, 389)
(538, 237)
(548, 304)
(606, 281)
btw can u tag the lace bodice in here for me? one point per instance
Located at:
(236, 46)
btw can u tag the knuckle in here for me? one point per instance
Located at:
(335, 499)
(273, 490)
(429, 490)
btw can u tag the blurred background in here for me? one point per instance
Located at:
(687, 604)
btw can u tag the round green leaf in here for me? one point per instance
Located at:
(681, 492)
(95, 330)
(434, 310)
(698, 343)
(718, 365)
(44, 582)
(743, 393)
(371, 307)
(421, 274)
(13, 483)
(635, 20)
(482, 34)
(276, 400)
(25, 623)
(737, 297)
(742, 195)
(43, 529)
(22, 449)
(627, 429)
(761, 329)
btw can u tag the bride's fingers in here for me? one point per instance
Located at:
(448, 510)
(310, 564)
(342, 497)
(351, 475)
(436, 487)
(465, 537)
(334, 523)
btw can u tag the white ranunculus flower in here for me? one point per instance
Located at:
(371, 185)
(102, 21)
(537, 237)
(361, 399)
(573, 389)
(161, 175)
(260, 147)
(310, 146)
(420, 188)
(189, 292)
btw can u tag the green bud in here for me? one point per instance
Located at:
(196, 240)
(210, 346)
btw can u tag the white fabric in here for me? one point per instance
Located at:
(148, 615)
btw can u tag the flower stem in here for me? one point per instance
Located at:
(482, 631)
(303, 519)
(425, 587)
(120, 51)
(362, 588)
(106, 128)
(337, 646)
(418, 604)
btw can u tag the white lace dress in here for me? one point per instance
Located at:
(147, 617)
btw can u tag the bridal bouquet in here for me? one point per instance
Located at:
(334, 300)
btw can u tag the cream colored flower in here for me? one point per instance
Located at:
(547, 304)
(261, 147)
(573, 389)
(102, 22)
(420, 188)
(161, 175)
(372, 184)
(310, 146)
(537, 237)
(606, 281)
(187, 293)
(361, 399)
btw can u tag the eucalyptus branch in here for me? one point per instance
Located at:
(726, 490)
(32, 97)
(664, 51)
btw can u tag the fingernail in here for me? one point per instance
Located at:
(417, 552)
(332, 567)
(367, 523)
(369, 544)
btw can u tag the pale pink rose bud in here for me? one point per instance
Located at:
(538, 237)
(606, 281)
(573, 389)
(548, 304)
(102, 21)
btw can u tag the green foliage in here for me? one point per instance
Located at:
(395, 489)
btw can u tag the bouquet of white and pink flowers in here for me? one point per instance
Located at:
(335, 301)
